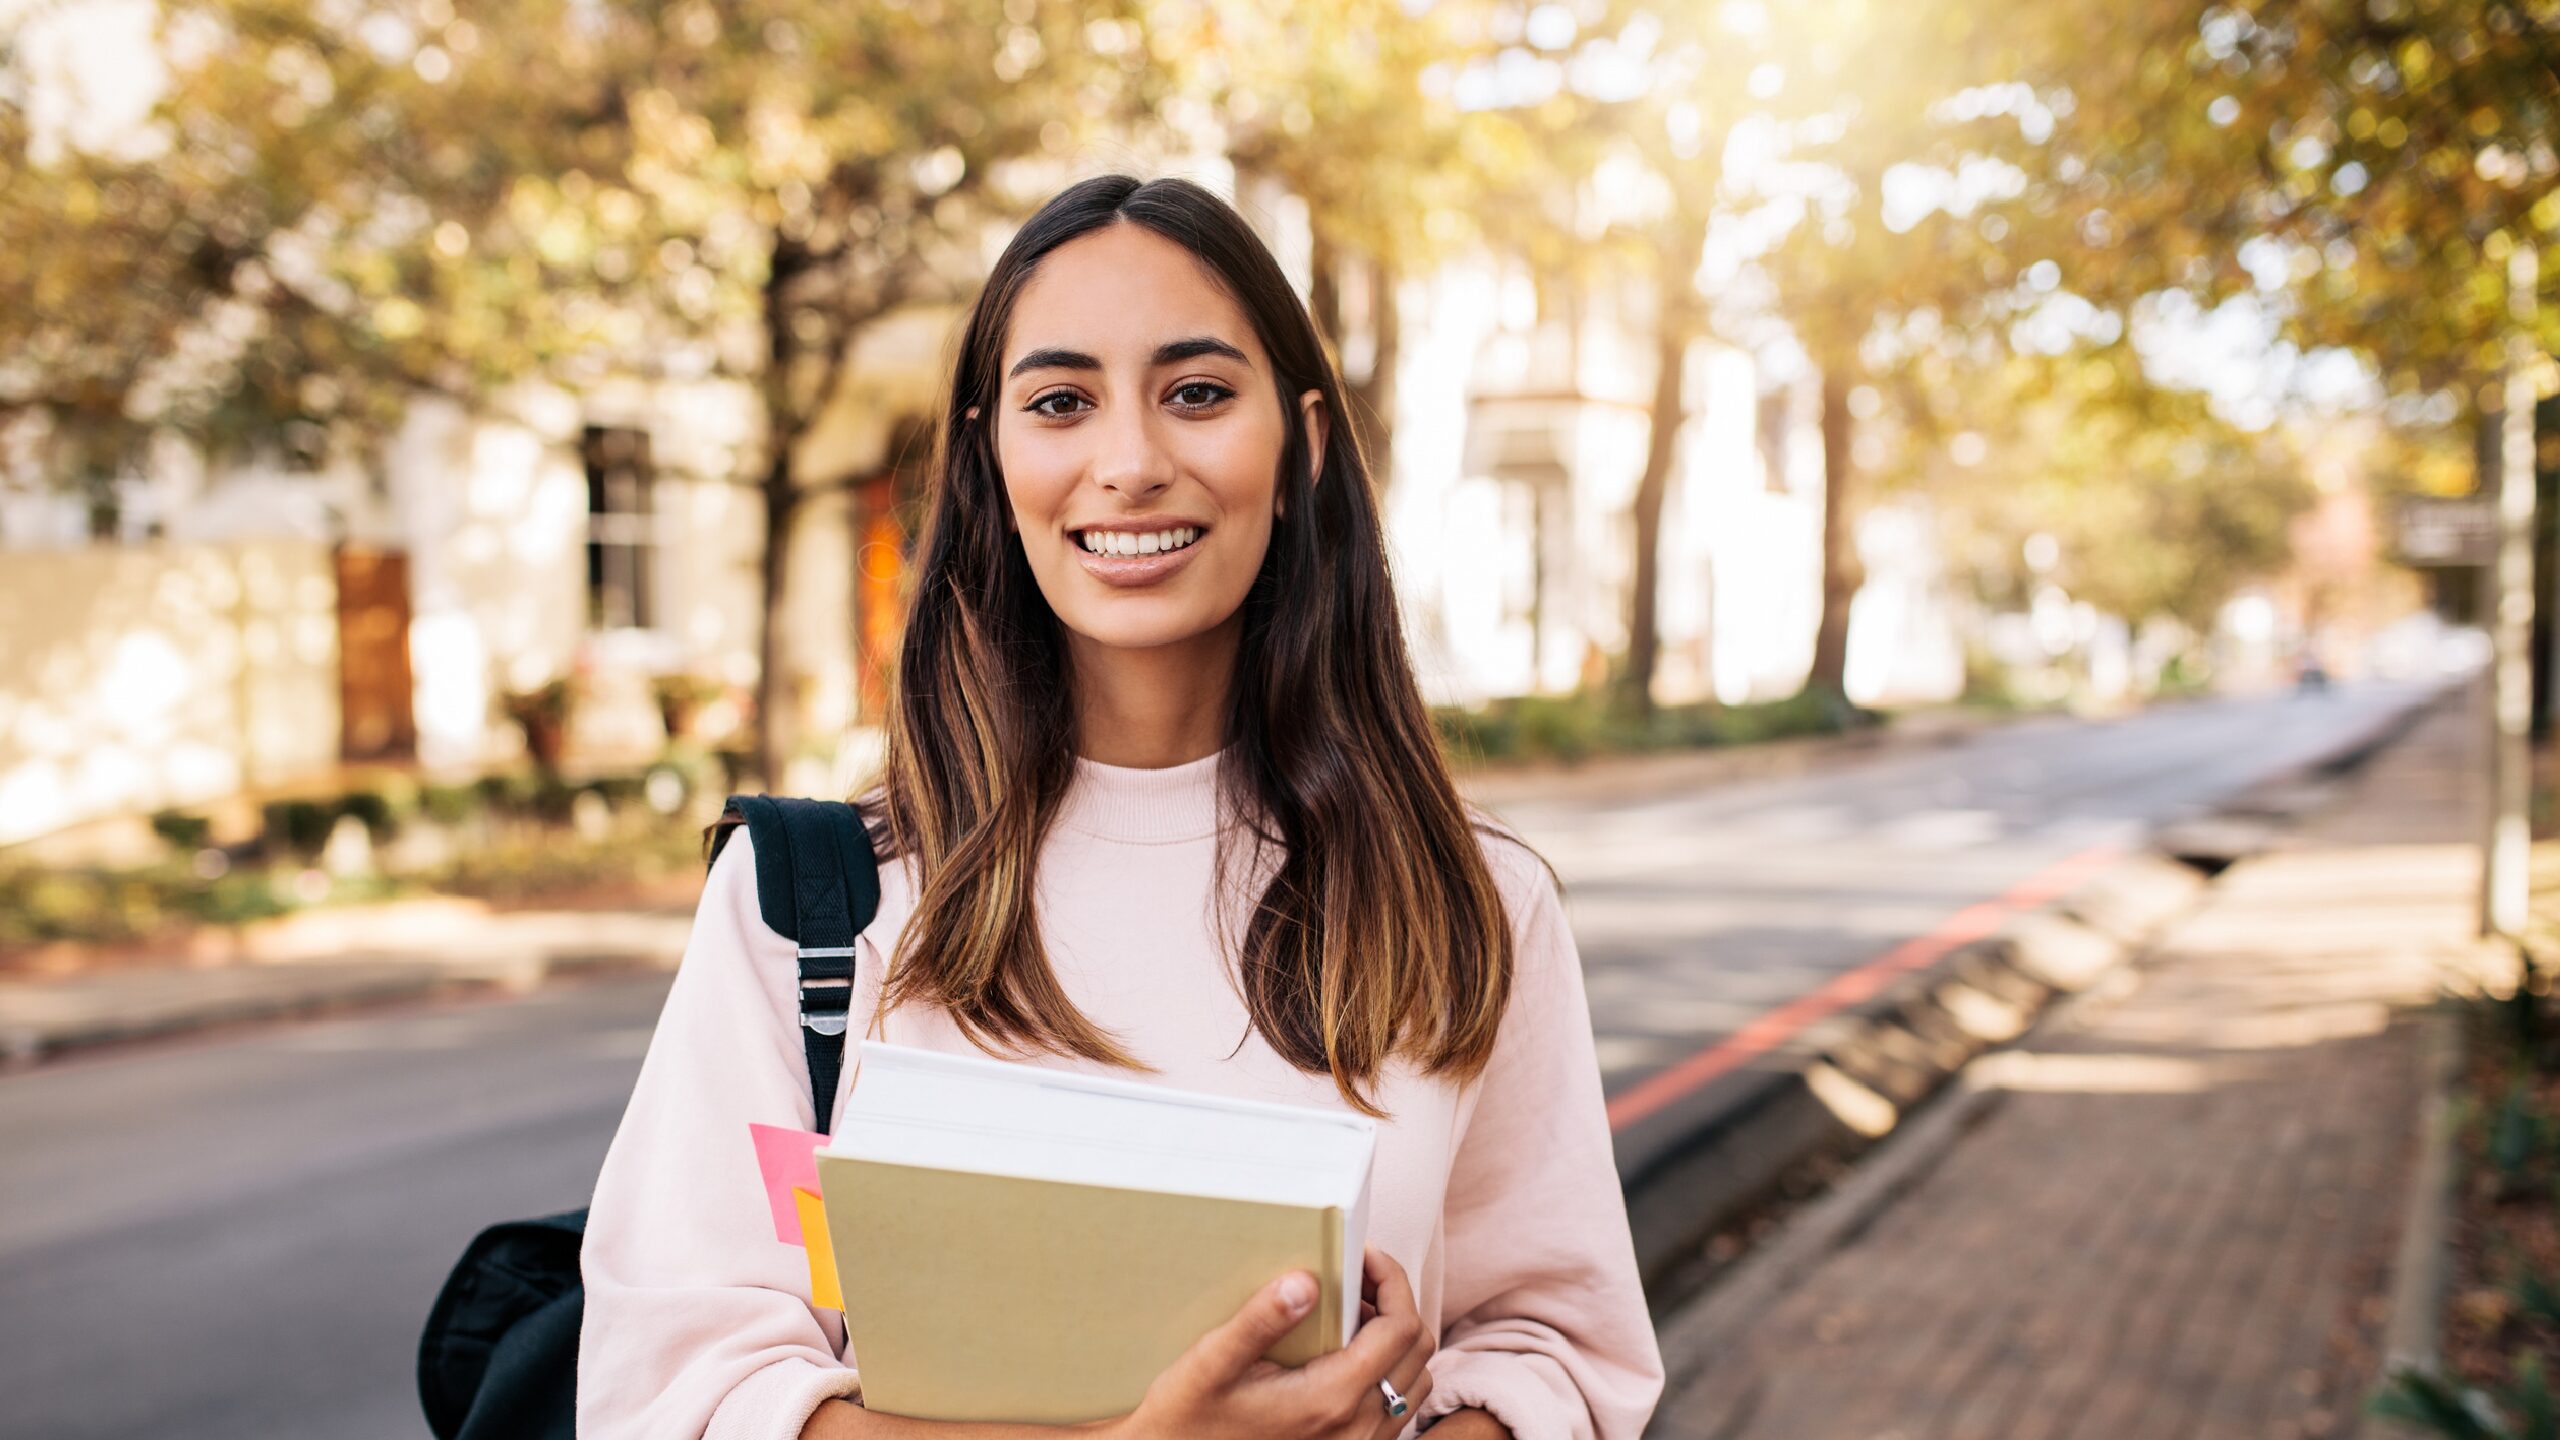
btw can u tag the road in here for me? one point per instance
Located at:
(238, 1234)
(1699, 912)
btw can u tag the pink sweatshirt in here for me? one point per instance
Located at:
(1498, 1196)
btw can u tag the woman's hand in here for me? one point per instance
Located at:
(1222, 1388)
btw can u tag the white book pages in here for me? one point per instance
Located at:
(995, 1117)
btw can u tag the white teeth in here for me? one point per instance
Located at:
(1123, 542)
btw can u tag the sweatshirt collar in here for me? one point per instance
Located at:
(1146, 807)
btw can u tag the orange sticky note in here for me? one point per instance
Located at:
(823, 1289)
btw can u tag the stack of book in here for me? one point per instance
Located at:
(1013, 1243)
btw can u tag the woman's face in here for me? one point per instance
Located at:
(1138, 430)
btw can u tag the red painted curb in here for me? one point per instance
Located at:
(1776, 1027)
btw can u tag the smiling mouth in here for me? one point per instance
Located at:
(1138, 542)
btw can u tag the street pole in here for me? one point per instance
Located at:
(2507, 865)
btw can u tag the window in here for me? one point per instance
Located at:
(622, 537)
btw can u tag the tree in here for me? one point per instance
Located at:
(691, 189)
(1678, 325)
(1345, 104)
(1857, 262)
(1698, 92)
(2355, 172)
(2086, 448)
(1647, 95)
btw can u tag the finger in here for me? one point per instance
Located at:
(1415, 1388)
(1380, 1273)
(1395, 1333)
(1411, 1378)
(1382, 1341)
(1425, 1345)
(1394, 1293)
(1414, 1365)
(1230, 1350)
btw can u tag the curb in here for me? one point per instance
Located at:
(121, 1008)
(2412, 1338)
(1868, 1068)
(1835, 1219)
(43, 1019)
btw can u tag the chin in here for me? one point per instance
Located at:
(1140, 633)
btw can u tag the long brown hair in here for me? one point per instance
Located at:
(1379, 931)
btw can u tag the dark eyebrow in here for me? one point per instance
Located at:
(1166, 354)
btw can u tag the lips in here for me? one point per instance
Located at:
(1131, 558)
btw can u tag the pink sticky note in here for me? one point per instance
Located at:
(789, 1160)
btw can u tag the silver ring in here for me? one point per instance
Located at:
(1395, 1402)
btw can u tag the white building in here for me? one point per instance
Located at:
(1521, 435)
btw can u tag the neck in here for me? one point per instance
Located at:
(1147, 709)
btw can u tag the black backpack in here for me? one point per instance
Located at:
(499, 1359)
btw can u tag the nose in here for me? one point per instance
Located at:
(1129, 461)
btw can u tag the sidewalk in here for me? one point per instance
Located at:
(2174, 1210)
(361, 956)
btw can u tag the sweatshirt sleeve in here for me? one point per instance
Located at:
(698, 1321)
(1547, 1327)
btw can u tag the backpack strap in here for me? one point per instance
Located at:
(818, 885)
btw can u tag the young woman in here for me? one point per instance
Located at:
(1160, 796)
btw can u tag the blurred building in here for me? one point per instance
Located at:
(257, 624)
(1523, 419)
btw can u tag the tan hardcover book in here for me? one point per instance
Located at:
(1019, 1244)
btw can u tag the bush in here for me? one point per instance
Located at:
(1471, 735)
(448, 804)
(184, 833)
(1566, 727)
(373, 808)
(1574, 727)
(618, 791)
(298, 827)
(537, 795)
(238, 898)
(533, 854)
(98, 905)
(2525, 1410)
(2518, 1135)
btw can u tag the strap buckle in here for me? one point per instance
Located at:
(822, 984)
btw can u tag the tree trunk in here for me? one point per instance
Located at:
(857, 525)
(782, 427)
(1841, 576)
(1373, 400)
(781, 502)
(1662, 447)
(1324, 289)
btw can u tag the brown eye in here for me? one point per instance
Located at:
(1036, 406)
(1214, 393)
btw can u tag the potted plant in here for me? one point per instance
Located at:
(680, 698)
(543, 714)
